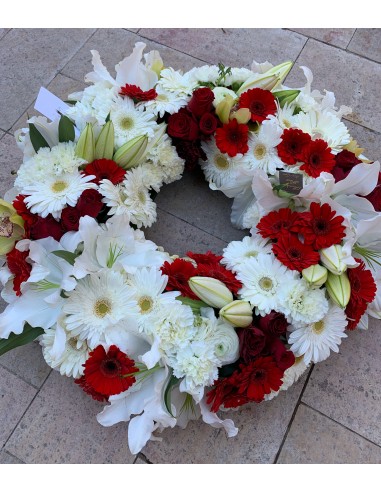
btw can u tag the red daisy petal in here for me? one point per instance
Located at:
(293, 143)
(275, 222)
(260, 102)
(179, 272)
(232, 138)
(293, 253)
(137, 94)
(105, 169)
(325, 227)
(317, 158)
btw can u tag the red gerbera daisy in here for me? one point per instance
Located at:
(232, 138)
(207, 258)
(325, 227)
(18, 266)
(137, 94)
(317, 158)
(292, 145)
(106, 373)
(219, 272)
(179, 272)
(274, 222)
(260, 102)
(105, 169)
(293, 253)
(89, 390)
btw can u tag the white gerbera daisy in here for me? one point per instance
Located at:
(165, 102)
(301, 304)
(100, 303)
(138, 201)
(237, 253)
(284, 116)
(315, 341)
(113, 197)
(52, 194)
(130, 122)
(174, 81)
(262, 153)
(262, 277)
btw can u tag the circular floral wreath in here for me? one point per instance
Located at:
(164, 339)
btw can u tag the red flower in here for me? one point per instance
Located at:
(354, 313)
(293, 253)
(325, 227)
(207, 258)
(284, 358)
(251, 343)
(183, 125)
(292, 145)
(208, 124)
(273, 323)
(201, 101)
(232, 138)
(18, 266)
(90, 203)
(46, 227)
(345, 161)
(363, 292)
(274, 222)
(105, 169)
(23, 210)
(191, 152)
(106, 373)
(179, 272)
(375, 196)
(70, 218)
(317, 158)
(137, 94)
(219, 272)
(260, 102)
(89, 390)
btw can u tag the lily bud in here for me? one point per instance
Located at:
(286, 96)
(11, 227)
(210, 290)
(237, 313)
(242, 116)
(268, 80)
(339, 289)
(85, 147)
(332, 259)
(130, 154)
(224, 107)
(220, 93)
(315, 275)
(104, 148)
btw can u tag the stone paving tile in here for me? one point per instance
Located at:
(178, 237)
(140, 461)
(113, 45)
(367, 139)
(347, 386)
(233, 47)
(10, 160)
(210, 211)
(61, 427)
(31, 58)
(261, 430)
(367, 42)
(3, 32)
(1, 134)
(8, 459)
(15, 397)
(353, 79)
(315, 439)
(337, 36)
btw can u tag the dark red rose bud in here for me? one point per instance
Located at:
(90, 203)
(284, 358)
(375, 196)
(45, 228)
(251, 343)
(208, 124)
(182, 125)
(345, 162)
(201, 101)
(70, 218)
(273, 323)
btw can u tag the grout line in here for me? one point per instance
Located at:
(13, 456)
(293, 416)
(341, 425)
(20, 377)
(353, 35)
(5, 34)
(144, 458)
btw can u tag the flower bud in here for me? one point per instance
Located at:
(242, 116)
(130, 154)
(210, 290)
(315, 275)
(11, 227)
(339, 289)
(104, 148)
(224, 107)
(332, 259)
(85, 147)
(267, 80)
(286, 96)
(238, 313)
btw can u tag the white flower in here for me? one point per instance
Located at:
(165, 102)
(141, 207)
(237, 253)
(100, 305)
(301, 304)
(206, 73)
(174, 81)
(262, 153)
(53, 193)
(252, 215)
(113, 197)
(171, 165)
(315, 341)
(290, 376)
(262, 277)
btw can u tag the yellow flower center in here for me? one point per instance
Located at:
(259, 151)
(145, 304)
(126, 123)
(221, 163)
(102, 307)
(318, 327)
(286, 123)
(59, 186)
(6, 227)
(266, 283)
(250, 254)
(142, 197)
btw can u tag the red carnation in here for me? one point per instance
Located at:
(137, 94)
(90, 203)
(179, 272)
(345, 161)
(251, 343)
(183, 125)
(292, 145)
(18, 266)
(208, 124)
(260, 102)
(23, 210)
(325, 227)
(201, 101)
(275, 222)
(317, 158)
(191, 152)
(232, 138)
(105, 169)
(375, 196)
(106, 373)
(293, 253)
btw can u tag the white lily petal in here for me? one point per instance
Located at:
(132, 71)
(263, 191)
(100, 73)
(213, 419)
(360, 181)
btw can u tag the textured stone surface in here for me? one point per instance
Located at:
(354, 80)
(31, 58)
(140, 461)
(315, 439)
(8, 459)
(10, 160)
(367, 139)
(3, 32)
(61, 427)
(261, 430)
(347, 386)
(336, 36)
(367, 42)
(15, 397)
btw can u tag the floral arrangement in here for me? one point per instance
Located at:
(163, 339)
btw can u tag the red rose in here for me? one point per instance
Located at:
(345, 162)
(208, 124)
(70, 218)
(273, 323)
(90, 203)
(375, 196)
(284, 358)
(251, 343)
(182, 125)
(45, 228)
(201, 101)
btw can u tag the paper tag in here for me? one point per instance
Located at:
(50, 105)
(291, 182)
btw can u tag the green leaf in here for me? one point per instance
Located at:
(68, 101)
(108, 118)
(36, 138)
(66, 130)
(286, 96)
(193, 303)
(27, 336)
(66, 255)
(173, 381)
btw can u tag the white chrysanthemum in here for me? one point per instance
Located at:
(165, 102)
(58, 160)
(206, 73)
(174, 81)
(252, 216)
(262, 153)
(138, 201)
(130, 122)
(237, 76)
(262, 278)
(52, 194)
(101, 303)
(237, 253)
(315, 341)
(301, 304)
(171, 165)
(152, 175)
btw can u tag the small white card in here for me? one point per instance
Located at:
(50, 105)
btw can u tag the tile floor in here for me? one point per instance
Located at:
(333, 414)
